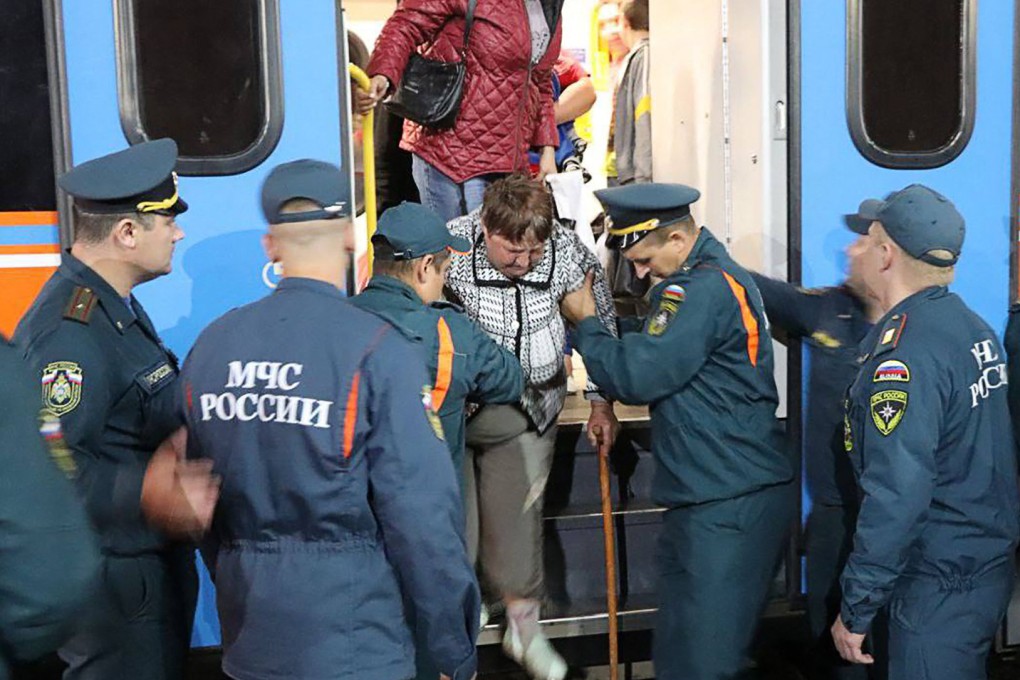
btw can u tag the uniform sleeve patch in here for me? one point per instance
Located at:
(430, 413)
(674, 292)
(49, 428)
(61, 387)
(663, 315)
(891, 371)
(887, 409)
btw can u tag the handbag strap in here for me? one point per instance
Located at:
(470, 20)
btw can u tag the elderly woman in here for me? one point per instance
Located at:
(507, 106)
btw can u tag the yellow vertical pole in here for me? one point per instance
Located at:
(368, 160)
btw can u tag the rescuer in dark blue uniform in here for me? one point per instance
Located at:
(703, 362)
(106, 374)
(928, 432)
(339, 501)
(48, 555)
(833, 321)
(412, 252)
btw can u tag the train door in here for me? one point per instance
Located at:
(240, 85)
(893, 93)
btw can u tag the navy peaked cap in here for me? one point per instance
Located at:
(635, 210)
(140, 178)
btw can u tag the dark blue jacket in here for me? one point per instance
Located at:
(338, 494)
(703, 362)
(466, 365)
(833, 322)
(111, 381)
(1012, 345)
(48, 554)
(928, 432)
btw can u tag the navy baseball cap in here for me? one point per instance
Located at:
(635, 210)
(140, 179)
(918, 219)
(411, 231)
(321, 183)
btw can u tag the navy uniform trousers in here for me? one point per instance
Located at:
(717, 557)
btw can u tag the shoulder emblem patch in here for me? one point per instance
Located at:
(61, 387)
(887, 409)
(669, 304)
(81, 305)
(891, 371)
(430, 413)
(49, 428)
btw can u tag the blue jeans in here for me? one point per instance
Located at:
(442, 195)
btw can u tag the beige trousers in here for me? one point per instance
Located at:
(505, 472)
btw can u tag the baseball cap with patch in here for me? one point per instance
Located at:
(635, 210)
(140, 179)
(321, 183)
(918, 219)
(411, 231)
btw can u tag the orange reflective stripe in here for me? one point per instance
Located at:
(351, 415)
(750, 322)
(444, 366)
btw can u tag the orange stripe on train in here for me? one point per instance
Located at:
(27, 218)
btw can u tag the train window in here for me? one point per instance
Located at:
(911, 80)
(26, 143)
(204, 73)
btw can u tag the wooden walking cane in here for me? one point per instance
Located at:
(610, 541)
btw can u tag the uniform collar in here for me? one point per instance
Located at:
(705, 247)
(902, 307)
(111, 301)
(393, 286)
(313, 285)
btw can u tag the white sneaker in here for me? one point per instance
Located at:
(540, 659)
(483, 617)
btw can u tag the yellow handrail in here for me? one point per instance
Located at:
(367, 160)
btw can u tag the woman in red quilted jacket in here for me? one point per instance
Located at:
(508, 103)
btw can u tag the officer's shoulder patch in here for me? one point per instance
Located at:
(49, 428)
(663, 315)
(61, 387)
(891, 333)
(675, 292)
(430, 412)
(80, 305)
(887, 409)
(891, 370)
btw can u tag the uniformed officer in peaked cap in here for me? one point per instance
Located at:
(703, 361)
(927, 429)
(340, 502)
(104, 371)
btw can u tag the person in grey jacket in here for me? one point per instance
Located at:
(632, 115)
(48, 555)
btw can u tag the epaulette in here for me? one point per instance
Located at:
(81, 305)
(446, 304)
(814, 291)
(890, 335)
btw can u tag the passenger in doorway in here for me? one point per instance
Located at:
(108, 377)
(703, 361)
(833, 321)
(927, 429)
(340, 503)
(507, 106)
(523, 263)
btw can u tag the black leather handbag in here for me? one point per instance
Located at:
(430, 90)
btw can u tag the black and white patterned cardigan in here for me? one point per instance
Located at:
(523, 314)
